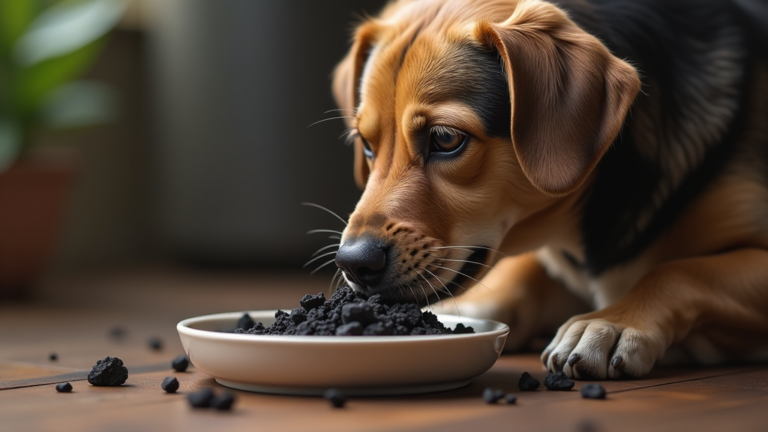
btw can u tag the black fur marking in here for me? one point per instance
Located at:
(486, 90)
(665, 40)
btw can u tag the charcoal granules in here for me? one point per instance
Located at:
(349, 313)
(593, 391)
(64, 387)
(201, 398)
(491, 395)
(180, 363)
(558, 381)
(335, 397)
(528, 383)
(108, 372)
(170, 384)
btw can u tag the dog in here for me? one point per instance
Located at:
(592, 169)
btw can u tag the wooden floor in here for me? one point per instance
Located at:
(72, 316)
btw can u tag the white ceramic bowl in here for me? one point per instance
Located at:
(359, 365)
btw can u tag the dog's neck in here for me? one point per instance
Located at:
(675, 139)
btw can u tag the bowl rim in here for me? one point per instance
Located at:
(183, 327)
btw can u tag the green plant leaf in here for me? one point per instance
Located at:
(10, 143)
(15, 16)
(66, 27)
(78, 104)
(34, 84)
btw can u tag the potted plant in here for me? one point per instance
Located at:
(44, 46)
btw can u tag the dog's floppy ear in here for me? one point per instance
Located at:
(346, 81)
(569, 95)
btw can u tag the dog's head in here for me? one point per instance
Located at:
(469, 118)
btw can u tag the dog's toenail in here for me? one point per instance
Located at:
(617, 361)
(574, 358)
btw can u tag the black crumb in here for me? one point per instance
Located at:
(352, 313)
(180, 363)
(309, 302)
(558, 381)
(201, 398)
(245, 322)
(108, 372)
(491, 396)
(335, 397)
(170, 384)
(223, 401)
(53, 357)
(64, 387)
(117, 333)
(155, 343)
(511, 399)
(351, 329)
(588, 425)
(593, 391)
(462, 329)
(528, 383)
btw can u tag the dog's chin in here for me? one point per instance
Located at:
(462, 281)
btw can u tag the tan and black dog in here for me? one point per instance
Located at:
(606, 160)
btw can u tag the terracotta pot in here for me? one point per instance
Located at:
(33, 196)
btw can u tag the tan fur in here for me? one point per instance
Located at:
(705, 279)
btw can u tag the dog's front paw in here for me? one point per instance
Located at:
(594, 347)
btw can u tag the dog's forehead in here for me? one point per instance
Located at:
(429, 65)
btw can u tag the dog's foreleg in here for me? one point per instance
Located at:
(519, 293)
(725, 292)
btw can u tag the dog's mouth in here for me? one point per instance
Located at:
(463, 278)
(433, 287)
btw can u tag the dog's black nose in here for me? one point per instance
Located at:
(364, 259)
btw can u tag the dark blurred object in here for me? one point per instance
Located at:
(33, 194)
(155, 343)
(117, 333)
(755, 16)
(238, 82)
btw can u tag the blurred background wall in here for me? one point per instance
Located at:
(211, 156)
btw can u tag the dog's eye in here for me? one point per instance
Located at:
(354, 134)
(366, 148)
(446, 140)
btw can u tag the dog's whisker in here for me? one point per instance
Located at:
(322, 265)
(413, 293)
(472, 248)
(341, 281)
(453, 298)
(315, 231)
(426, 297)
(324, 248)
(333, 281)
(335, 237)
(433, 290)
(466, 261)
(326, 209)
(318, 257)
(339, 110)
(349, 136)
(465, 275)
(330, 118)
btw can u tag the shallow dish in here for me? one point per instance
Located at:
(359, 365)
